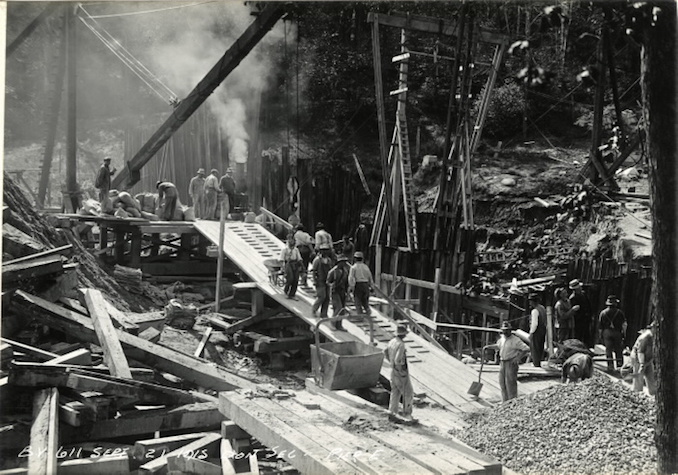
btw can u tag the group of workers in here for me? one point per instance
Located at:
(205, 192)
(573, 323)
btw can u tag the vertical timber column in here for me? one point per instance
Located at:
(72, 199)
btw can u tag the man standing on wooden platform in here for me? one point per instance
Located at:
(511, 350)
(537, 329)
(360, 282)
(211, 194)
(227, 187)
(103, 180)
(321, 267)
(292, 262)
(611, 329)
(337, 280)
(583, 318)
(401, 385)
(196, 190)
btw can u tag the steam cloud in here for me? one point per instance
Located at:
(189, 41)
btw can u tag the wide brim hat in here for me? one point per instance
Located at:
(201, 170)
(401, 330)
(612, 300)
(575, 284)
(359, 255)
(506, 326)
(107, 159)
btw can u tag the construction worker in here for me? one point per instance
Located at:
(360, 283)
(292, 263)
(401, 385)
(511, 350)
(577, 367)
(196, 190)
(304, 243)
(612, 328)
(103, 180)
(322, 237)
(564, 312)
(347, 247)
(337, 280)
(321, 267)
(642, 359)
(583, 317)
(167, 200)
(211, 194)
(537, 328)
(227, 188)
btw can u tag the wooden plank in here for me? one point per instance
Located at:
(113, 355)
(73, 304)
(203, 342)
(229, 430)
(36, 353)
(231, 328)
(193, 466)
(164, 359)
(120, 320)
(36, 375)
(200, 416)
(200, 448)
(149, 449)
(81, 356)
(146, 320)
(299, 449)
(32, 269)
(227, 454)
(151, 334)
(139, 374)
(66, 250)
(42, 459)
(115, 464)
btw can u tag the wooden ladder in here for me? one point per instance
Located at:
(409, 202)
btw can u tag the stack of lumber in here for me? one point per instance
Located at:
(38, 265)
(128, 277)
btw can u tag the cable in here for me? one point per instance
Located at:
(115, 15)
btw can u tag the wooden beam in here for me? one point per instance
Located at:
(199, 416)
(66, 250)
(120, 320)
(36, 353)
(113, 355)
(149, 449)
(42, 459)
(209, 376)
(277, 219)
(231, 328)
(80, 356)
(266, 19)
(197, 449)
(32, 269)
(102, 465)
(30, 28)
(139, 374)
(431, 25)
(195, 466)
(230, 430)
(203, 342)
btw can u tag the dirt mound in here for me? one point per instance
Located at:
(597, 426)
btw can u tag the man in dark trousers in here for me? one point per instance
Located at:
(321, 267)
(167, 200)
(537, 328)
(360, 282)
(511, 351)
(612, 327)
(227, 187)
(103, 180)
(583, 318)
(337, 280)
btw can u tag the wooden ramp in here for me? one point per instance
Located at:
(320, 434)
(434, 372)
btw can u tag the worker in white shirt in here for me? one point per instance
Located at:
(511, 350)
(642, 359)
(401, 385)
(360, 282)
(537, 328)
(211, 194)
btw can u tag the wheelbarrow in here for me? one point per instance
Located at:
(346, 364)
(475, 388)
(276, 271)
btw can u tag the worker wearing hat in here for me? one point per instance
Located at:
(196, 190)
(211, 194)
(612, 328)
(321, 267)
(168, 199)
(642, 360)
(322, 237)
(360, 282)
(511, 351)
(103, 180)
(401, 385)
(337, 282)
(577, 367)
(584, 322)
(227, 189)
(537, 328)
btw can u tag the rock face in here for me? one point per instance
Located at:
(26, 219)
(597, 426)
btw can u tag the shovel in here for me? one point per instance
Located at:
(476, 386)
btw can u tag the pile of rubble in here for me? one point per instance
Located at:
(597, 426)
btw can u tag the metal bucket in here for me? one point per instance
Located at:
(346, 365)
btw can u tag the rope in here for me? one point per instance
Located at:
(127, 58)
(115, 15)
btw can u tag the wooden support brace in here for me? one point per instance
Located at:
(199, 449)
(42, 459)
(146, 450)
(203, 342)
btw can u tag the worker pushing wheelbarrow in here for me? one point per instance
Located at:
(276, 272)
(345, 364)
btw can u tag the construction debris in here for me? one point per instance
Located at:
(597, 426)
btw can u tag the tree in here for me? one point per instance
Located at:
(656, 29)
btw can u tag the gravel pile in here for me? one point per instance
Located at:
(597, 426)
